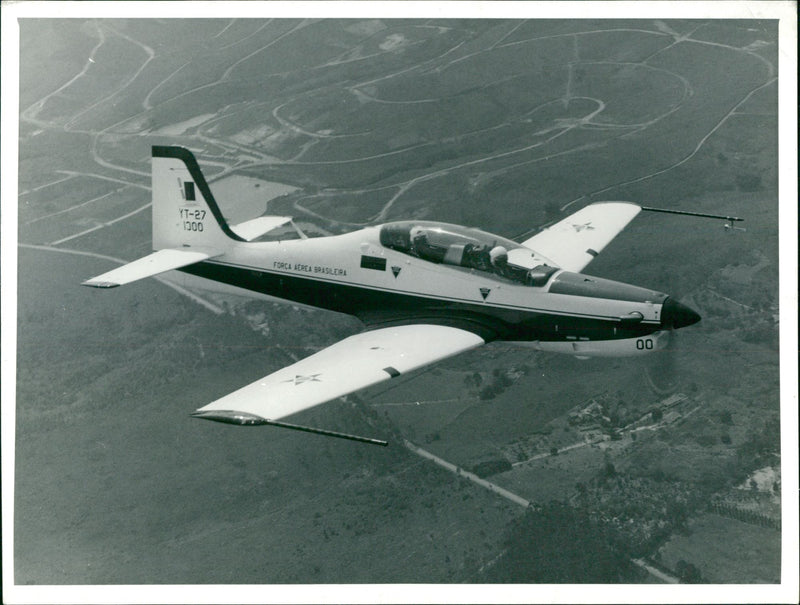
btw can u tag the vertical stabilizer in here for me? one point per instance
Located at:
(185, 214)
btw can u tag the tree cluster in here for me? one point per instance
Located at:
(555, 543)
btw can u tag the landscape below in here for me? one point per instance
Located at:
(536, 468)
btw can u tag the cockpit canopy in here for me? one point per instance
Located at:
(462, 247)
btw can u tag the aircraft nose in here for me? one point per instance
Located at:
(677, 315)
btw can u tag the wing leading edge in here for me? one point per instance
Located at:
(575, 241)
(351, 364)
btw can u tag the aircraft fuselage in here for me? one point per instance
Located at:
(356, 274)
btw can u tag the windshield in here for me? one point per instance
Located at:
(462, 247)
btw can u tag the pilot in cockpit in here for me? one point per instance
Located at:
(477, 257)
(419, 240)
(499, 259)
(498, 256)
(423, 248)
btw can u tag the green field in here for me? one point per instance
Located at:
(503, 125)
(726, 551)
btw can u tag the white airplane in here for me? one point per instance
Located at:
(425, 290)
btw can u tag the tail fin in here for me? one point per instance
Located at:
(185, 213)
(188, 226)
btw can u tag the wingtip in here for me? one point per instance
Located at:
(99, 284)
(229, 417)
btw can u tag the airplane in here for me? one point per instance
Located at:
(424, 290)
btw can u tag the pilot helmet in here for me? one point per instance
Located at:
(498, 254)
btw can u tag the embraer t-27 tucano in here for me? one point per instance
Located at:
(425, 290)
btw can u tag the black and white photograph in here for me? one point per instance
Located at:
(339, 302)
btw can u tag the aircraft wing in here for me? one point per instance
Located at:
(573, 242)
(349, 365)
(147, 266)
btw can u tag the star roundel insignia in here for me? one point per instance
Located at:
(299, 379)
(587, 226)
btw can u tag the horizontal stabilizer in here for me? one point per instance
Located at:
(153, 264)
(252, 229)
